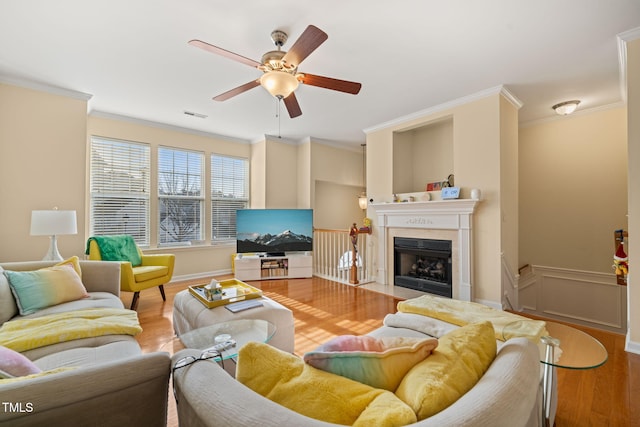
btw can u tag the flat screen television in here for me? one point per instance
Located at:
(274, 231)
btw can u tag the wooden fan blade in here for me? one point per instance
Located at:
(223, 52)
(311, 38)
(291, 102)
(329, 83)
(237, 91)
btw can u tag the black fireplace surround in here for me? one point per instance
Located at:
(423, 265)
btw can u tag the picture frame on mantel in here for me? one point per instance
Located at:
(434, 186)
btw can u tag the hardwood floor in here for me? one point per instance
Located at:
(606, 396)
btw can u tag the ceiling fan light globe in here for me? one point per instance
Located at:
(279, 83)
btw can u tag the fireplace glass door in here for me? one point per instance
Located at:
(423, 265)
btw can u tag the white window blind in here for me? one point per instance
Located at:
(119, 187)
(229, 192)
(181, 199)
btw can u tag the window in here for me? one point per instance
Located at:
(119, 187)
(180, 194)
(229, 192)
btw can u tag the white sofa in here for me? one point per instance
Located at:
(508, 394)
(112, 382)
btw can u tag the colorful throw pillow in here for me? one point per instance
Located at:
(14, 364)
(285, 379)
(35, 290)
(462, 357)
(378, 362)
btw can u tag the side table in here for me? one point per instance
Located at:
(565, 347)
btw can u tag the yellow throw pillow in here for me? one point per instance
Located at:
(454, 367)
(378, 362)
(74, 261)
(285, 379)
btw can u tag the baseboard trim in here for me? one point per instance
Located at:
(631, 346)
(200, 275)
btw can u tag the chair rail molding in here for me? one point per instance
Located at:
(587, 298)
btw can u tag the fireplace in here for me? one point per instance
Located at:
(423, 265)
(449, 220)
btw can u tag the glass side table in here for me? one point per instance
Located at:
(577, 350)
(241, 331)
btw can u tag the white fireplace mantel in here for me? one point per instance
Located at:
(432, 219)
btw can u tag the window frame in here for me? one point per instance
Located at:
(131, 162)
(187, 172)
(242, 195)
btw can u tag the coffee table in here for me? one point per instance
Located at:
(190, 314)
(240, 330)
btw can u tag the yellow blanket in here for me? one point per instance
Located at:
(26, 334)
(506, 325)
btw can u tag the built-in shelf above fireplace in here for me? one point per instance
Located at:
(450, 220)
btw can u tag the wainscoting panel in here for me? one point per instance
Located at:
(581, 297)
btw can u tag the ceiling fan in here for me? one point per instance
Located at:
(280, 69)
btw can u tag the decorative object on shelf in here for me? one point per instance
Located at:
(437, 186)
(620, 258)
(475, 193)
(366, 226)
(450, 193)
(362, 199)
(449, 182)
(566, 108)
(53, 223)
(434, 186)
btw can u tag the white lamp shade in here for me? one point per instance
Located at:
(53, 222)
(279, 83)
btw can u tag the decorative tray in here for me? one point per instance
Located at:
(233, 290)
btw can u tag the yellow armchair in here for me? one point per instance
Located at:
(155, 270)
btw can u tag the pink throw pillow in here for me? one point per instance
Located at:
(14, 364)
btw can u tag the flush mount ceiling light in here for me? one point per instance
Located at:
(567, 107)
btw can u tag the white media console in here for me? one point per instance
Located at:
(254, 267)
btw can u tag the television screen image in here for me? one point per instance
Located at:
(274, 231)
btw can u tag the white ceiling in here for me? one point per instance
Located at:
(132, 56)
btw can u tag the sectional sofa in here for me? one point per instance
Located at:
(273, 388)
(101, 380)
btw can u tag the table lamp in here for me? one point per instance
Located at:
(53, 223)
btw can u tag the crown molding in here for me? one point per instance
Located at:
(149, 123)
(44, 87)
(623, 39)
(497, 90)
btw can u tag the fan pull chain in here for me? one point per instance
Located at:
(278, 101)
